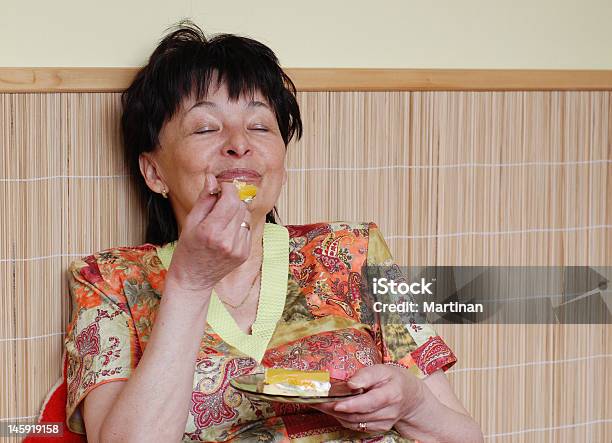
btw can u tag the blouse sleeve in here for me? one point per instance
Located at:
(415, 344)
(101, 343)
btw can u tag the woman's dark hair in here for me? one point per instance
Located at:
(185, 63)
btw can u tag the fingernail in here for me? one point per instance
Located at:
(340, 407)
(211, 184)
(208, 182)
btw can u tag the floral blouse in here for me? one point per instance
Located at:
(321, 321)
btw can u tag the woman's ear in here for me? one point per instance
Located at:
(148, 169)
(284, 176)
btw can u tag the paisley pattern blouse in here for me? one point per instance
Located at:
(325, 324)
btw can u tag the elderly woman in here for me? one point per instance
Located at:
(220, 288)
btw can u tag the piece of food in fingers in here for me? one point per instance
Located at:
(246, 191)
(281, 381)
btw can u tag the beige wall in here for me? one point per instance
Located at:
(320, 33)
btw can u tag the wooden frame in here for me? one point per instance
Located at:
(13, 80)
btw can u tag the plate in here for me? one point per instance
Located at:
(252, 384)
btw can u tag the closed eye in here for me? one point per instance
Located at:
(204, 131)
(260, 128)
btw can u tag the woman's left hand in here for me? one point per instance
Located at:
(391, 393)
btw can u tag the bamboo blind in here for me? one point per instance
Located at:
(451, 178)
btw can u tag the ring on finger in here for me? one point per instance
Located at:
(363, 426)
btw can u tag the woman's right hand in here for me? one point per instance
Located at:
(212, 243)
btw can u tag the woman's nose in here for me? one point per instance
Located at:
(236, 150)
(237, 144)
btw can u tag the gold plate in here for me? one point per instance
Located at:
(252, 384)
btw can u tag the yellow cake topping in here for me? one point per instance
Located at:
(246, 191)
(281, 381)
(294, 377)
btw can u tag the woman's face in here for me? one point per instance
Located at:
(217, 135)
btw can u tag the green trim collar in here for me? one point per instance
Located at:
(274, 275)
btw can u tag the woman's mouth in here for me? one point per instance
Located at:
(241, 174)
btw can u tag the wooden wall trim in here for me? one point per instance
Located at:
(14, 80)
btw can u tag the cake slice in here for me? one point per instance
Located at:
(281, 381)
(246, 191)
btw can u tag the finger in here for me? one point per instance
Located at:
(380, 420)
(370, 376)
(368, 402)
(234, 229)
(327, 407)
(204, 203)
(387, 413)
(214, 184)
(244, 237)
(240, 235)
(245, 240)
(226, 207)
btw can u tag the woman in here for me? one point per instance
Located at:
(220, 288)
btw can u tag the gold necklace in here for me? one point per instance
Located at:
(248, 293)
